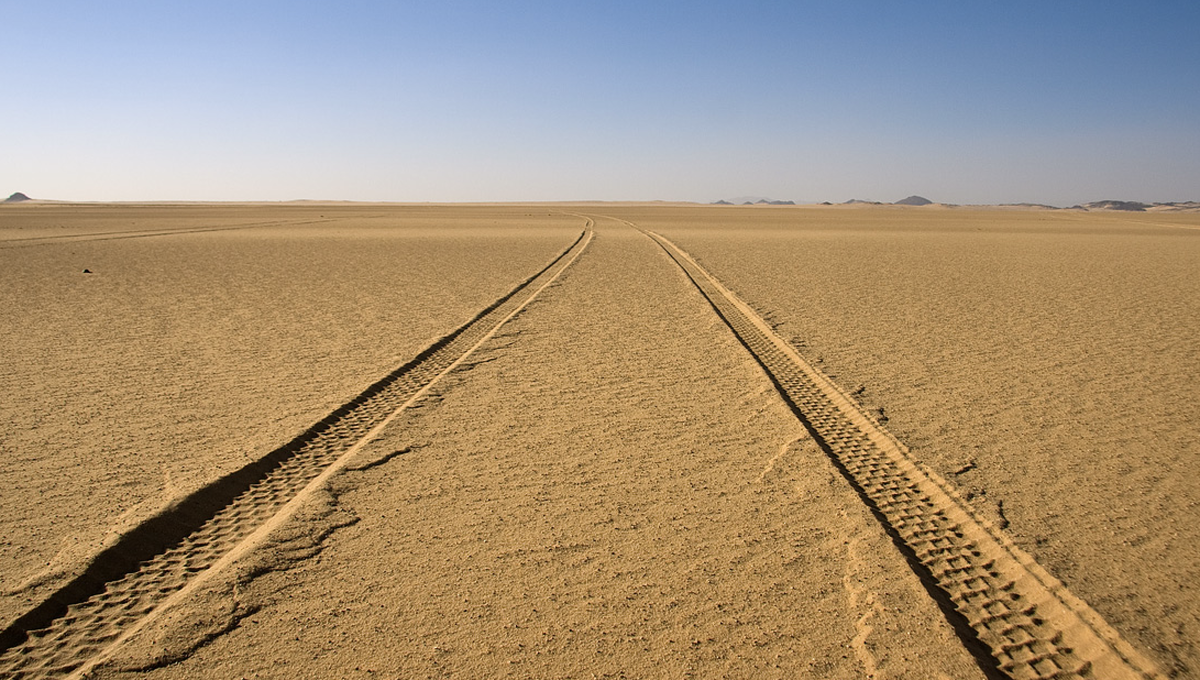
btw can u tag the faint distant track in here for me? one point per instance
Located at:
(1018, 620)
(145, 233)
(166, 558)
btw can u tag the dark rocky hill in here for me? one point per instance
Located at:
(752, 200)
(1129, 206)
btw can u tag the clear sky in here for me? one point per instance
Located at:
(961, 101)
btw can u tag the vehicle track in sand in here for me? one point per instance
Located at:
(162, 561)
(148, 233)
(1009, 611)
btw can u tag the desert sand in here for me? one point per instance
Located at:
(1043, 361)
(609, 484)
(182, 356)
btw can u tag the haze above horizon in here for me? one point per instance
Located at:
(1059, 103)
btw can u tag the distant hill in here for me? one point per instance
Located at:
(17, 198)
(1177, 206)
(752, 200)
(858, 201)
(1137, 206)
(1043, 206)
(914, 200)
(1128, 206)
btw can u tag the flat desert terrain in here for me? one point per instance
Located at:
(613, 440)
(206, 337)
(1044, 361)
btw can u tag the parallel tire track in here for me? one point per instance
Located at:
(1020, 620)
(148, 233)
(163, 561)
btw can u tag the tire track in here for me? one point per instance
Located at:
(1019, 620)
(147, 233)
(164, 560)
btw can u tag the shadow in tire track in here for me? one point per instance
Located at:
(158, 557)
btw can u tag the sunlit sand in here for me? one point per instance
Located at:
(609, 482)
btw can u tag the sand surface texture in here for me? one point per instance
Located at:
(615, 467)
(611, 489)
(203, 338)
(1044, 362)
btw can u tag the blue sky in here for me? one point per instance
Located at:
(964, 102)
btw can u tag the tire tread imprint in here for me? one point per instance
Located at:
(1028, 622)
(84, 627)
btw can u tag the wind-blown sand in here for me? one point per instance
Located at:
(1045, 362)
(612, 489)
(183, 356)
(611, 485)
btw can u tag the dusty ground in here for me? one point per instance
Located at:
(612, 486)
(614, 491)
(182, 356)
(1046, 362)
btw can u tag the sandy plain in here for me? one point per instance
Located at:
(1045, 361)
(611, 486)
(205, 336)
